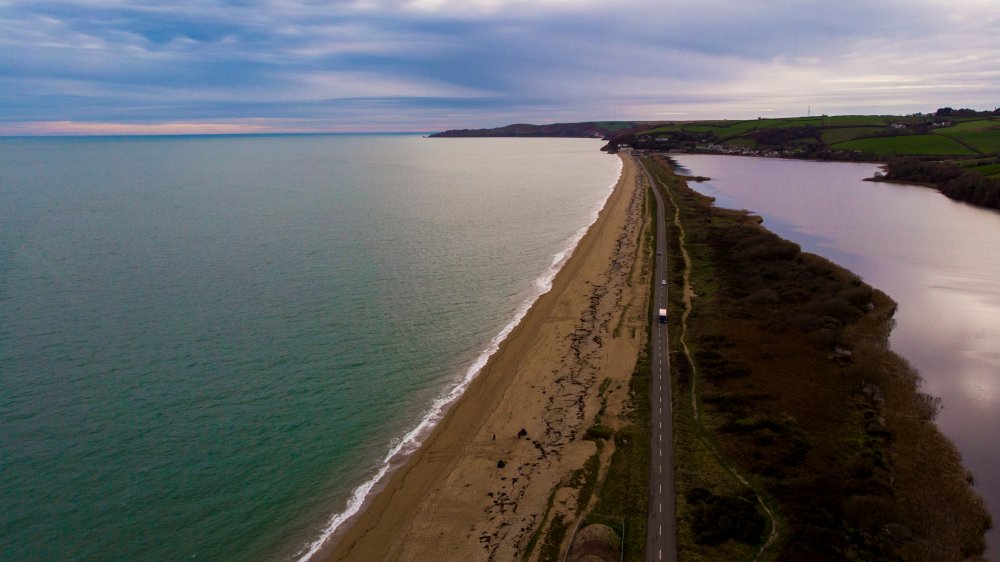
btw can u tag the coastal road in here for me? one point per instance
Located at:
(661, 531)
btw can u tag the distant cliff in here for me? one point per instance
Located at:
(595, 129)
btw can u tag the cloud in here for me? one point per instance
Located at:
(169, 128)
(490, 8)
(489, 62)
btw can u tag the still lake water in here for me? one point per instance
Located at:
(206, 344)
(939, 259)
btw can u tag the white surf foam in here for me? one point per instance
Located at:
(414, 438)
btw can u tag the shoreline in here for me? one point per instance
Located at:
(437, 498)
(411, 442)
(785, 398)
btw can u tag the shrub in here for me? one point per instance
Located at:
(764, 296)
(717, 519)
(599, 431)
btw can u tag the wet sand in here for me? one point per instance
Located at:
(476, 489)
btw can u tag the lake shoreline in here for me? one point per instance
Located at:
(797, 384)
(932, 254)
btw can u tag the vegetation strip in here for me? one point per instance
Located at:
(970, 184)
(687, 297)
(622, 495)
(799, 391)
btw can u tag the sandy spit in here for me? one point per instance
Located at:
(454, 499)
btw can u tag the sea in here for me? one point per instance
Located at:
(212, 348)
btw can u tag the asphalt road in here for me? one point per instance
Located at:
(661, 530)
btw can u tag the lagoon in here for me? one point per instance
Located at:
(937, 258)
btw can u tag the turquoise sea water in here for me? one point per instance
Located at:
(209, 344)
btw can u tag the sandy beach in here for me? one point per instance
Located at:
(480, 484)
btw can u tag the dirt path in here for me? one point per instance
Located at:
(688, 298)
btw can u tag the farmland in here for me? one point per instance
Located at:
(988, 170)
(962, 147)
(834, 137)
(985, 142)
(931, 145)
(960, 150)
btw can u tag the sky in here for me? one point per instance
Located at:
(259, 66)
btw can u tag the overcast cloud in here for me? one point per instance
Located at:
(92, 66)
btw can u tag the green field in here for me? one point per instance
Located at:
(873, 135)
(739, 128)
(700, 128)
(987, 170)
(614, 125)
(801, 122)
(974, 125)
(929, 145)
(973, 162)
(856, 121)
(727, 131)
(833, 136)
(665, 129)
(985, 141)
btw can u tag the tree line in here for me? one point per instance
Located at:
(965, 112)
(955, 182)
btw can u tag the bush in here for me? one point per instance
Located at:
(950, 179)
(859, 297)
(766, 246)
(717, 519)
(835, 308)
(599, 432)
(764, 296)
